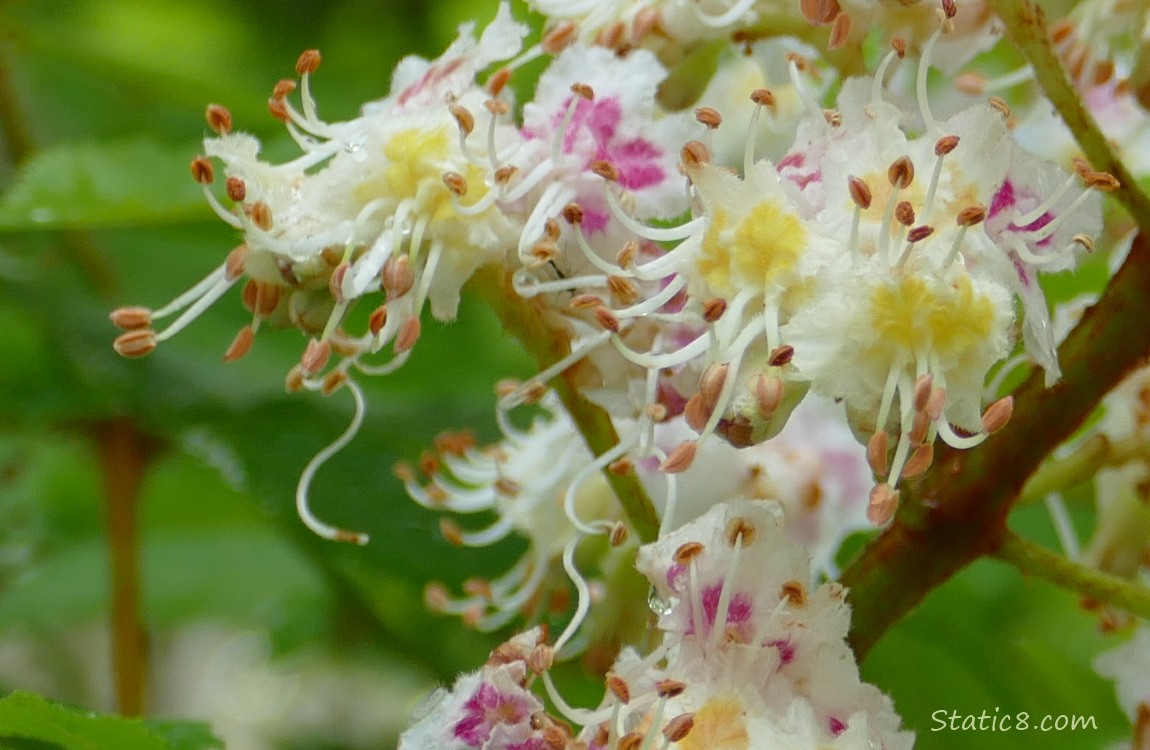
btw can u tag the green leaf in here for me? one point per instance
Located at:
(87, 185)
(186, 735)
(28, 716)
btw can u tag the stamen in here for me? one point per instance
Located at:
(1052, 226)
(560, 137)
(761, 98)
(302, 507)
(920, 81)
(719, 627)
(210, 295)
(953, 439)
(1024, 219)
(737, 11)
(880, 74)
(944, 146)
(813, 108)
(306, 65)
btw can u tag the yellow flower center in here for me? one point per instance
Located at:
(765, 245)
(914, 315)
(719, 725)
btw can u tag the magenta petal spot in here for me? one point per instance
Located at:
(483, 710)
(786, 651)
(836, 727)
(1002, 200)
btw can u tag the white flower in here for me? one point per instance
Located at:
(1129, 666)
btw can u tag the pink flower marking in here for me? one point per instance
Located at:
(484, 710)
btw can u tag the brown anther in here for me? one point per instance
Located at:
(711, 384)
(970, 82)
(555, 738)
(377, 320)
(315, 357)
(936, 403)
(138, 343)
(606, 319)
(282, 88)
(1086, 241)
(794, 592)
(833, 117)
(626, 255)
(919, 461)
(451, 531)
(901, 172)
(497, 107)
(919, 427)
(456, 183)
(559, 37)
(669, 688)
(923, 386)
(403, 471)
(819, 12)
(332, 382)
(219, 118)
(408, 334)
(344, 347)
(293, 381)
(679, 727)
(478, 587)
(687, 552)
(624, 289)
(572, 213)
(713, 309)
(584, 301)
(646, 21)
(454, 443)
(533, 392)
(1061, 30)
(397, 278)
(241, 344)
(781, 355)
(971, 216)
(945, 145)
(308, 61)
(618, 687)
(619, 534)
(1000, 104)
(583, 91)
(949, 8)
(656, 412)
(741, 531)
(882, 505)
(504, 175)
(694, 154)
(612, 36)
(840, 31)
(202, 170)
(541, 658)
(680, 458)
(507, 487)
(498, 81)
(918, 234)
(997, 415)
(1081, 166)
(335, 282)
(463, 118)
(898, 44)
(709, 116)
(436, 597)
(1103, 71)
(605, 169)
(763, 97)
(1101, 181)
(621, 467)
(768, 394)
(472, 616)
(236, 189)
(860, 192)
(260, 214)
(602, 735)
(234, 263)
(278, 110)
(131, 318)
(630, 741)
(696, 413)
(876, 449)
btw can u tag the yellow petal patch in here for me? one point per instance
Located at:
(415, 164)
(913, 314)
(719, 725)
(766, 244)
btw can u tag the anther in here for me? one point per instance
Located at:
(533, 393)
(840, 30)
(656, 412)
(618, 687)
(1000, 104)
(626, 255)
(669, 688)
(397, 278)
(794, 592)
(332, 382)
(436, 597)
(681, 458)
(687, 552)
(876, 449)
(713, 309)
(541, 658)
(694, 153)
(919, 427)
(997, 414)
(882, 505)
(283, 88)
(408, 334)
(451, 532)
(971, 216)
(456, 183)
(236, 189)
(646, 21)
(478, 587)
(278, 110)
(260, 214)
(606, 170)
(497, 107)
(768, 395)
(1086, 241)
(621, 467)
(335, 282)
(740, 531)
(923, 386)
(904, 213)
(709, 116)
(833, 117)
(219, 118)
(308, 61)
(630, 741)
(819, 12)
(945, 145)
(241, 344)
(463, 118)
(919, 461)
(1101, 181)
(607, 319)
(679, 727)
(234, 263)
(498, 81)
(781, 355)
(898, 44)
(584, 301)
(559, 38)
(1062, 30)
(763, 97)
(315, 357)
(377, 320)
(131, 318)
(970, 82)
(507, 487)
(711, 384)
(901, 172)
(619, 534)
(918, 234)
(1103, 71)
(624, 289)
(137, 343)
(611, 36)
(202, 170)
(293, 381)
(583, 91)
(504, 175)
(949, 8)
(859, 191)
(936, 403)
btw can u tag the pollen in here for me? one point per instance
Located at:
(762, 248)
(914, 314)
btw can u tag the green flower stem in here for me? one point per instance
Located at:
(957, 512)
(1039, 562)
(1026, 23)
(1057, 475)
(525, 320)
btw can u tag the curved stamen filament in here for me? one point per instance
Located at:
(808, 101)
(1052, 226)
(1020, 219)
(527, 286)
(920, 82)
(953, 439)
(515, 398)
(668, 359)
(208, 298)
(560, 136)
(731, 15)
(219, 210)
(655, 301)
(198, 290)
(879, 76)
(582, 590)
(1026, 256)
(719, 627)
(654, 234)
(585, 473)
(493, 533)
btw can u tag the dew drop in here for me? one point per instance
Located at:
(658, 605)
